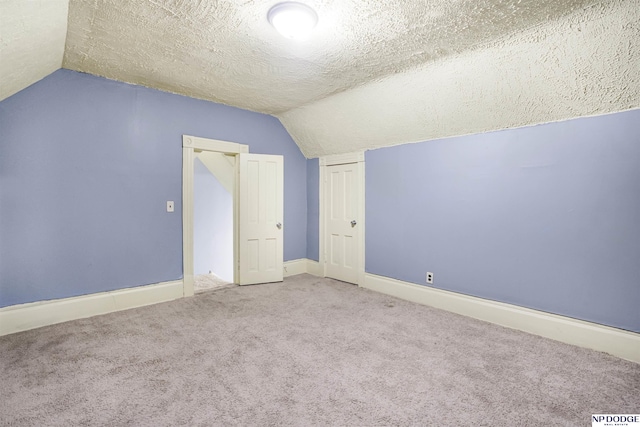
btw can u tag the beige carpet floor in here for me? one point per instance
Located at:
(208, 282)
(305, 352)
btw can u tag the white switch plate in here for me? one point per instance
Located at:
(170, 206)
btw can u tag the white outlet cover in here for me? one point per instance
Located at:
(170, 206)
(429, 277)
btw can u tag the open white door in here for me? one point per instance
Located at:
(261, 218)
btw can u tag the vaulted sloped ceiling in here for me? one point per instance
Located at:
(32, 39)
(586, 64)
(374, 73)
(226, 51)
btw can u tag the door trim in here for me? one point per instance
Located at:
(189, 145)
(340, 159)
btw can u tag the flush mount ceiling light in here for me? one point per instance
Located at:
(293, 20)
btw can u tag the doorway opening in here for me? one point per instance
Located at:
(213, 193)
(258, 209)
(192, 148)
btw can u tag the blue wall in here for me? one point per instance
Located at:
(212, 224)
(546, 217)
(313, 209)
(86, 167)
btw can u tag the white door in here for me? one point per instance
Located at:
(342, 236)
(261, 214)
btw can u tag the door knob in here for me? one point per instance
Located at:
(353, 223)
(279, 225)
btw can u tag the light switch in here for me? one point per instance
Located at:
(170, 206)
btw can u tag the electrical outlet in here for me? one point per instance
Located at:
(170, 206)
(429, 277)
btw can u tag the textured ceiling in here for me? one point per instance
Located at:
(226, 51)
(585, 64)
(32, 37)
(374, 73)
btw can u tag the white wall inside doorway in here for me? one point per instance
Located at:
(213, 218)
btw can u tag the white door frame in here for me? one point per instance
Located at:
(340, 159)
(191, 144)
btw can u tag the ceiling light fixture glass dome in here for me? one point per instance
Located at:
(293, 20)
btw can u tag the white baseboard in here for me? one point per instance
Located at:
(300, 266)
(620, 343)
(295, 267)
(22, 317)
(617, 342)
(314, 268)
